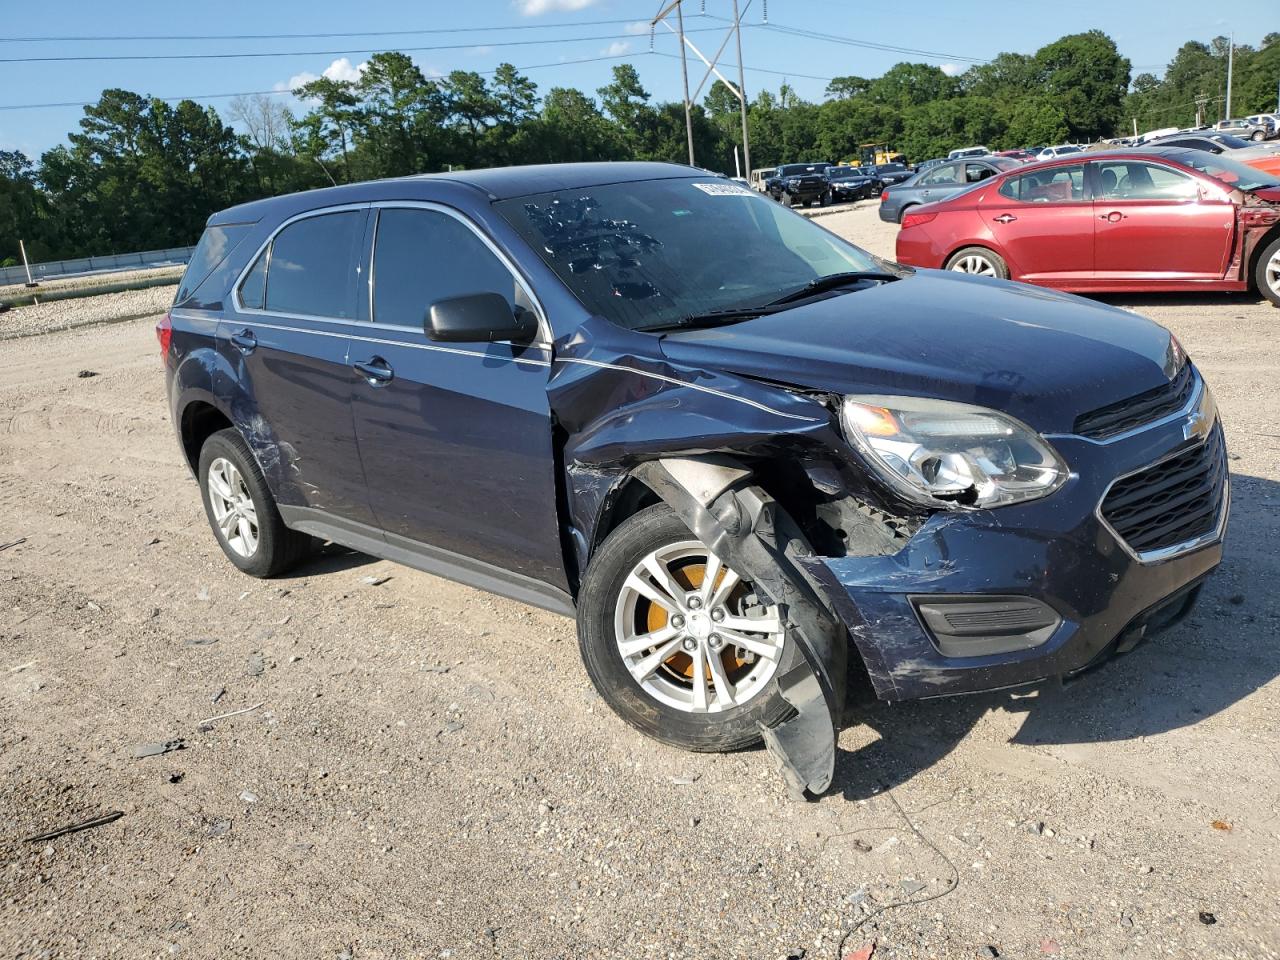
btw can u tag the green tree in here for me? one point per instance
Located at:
(1087, 76)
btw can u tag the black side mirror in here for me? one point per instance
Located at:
(479, 318)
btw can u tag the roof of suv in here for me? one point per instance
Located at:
(498, 183)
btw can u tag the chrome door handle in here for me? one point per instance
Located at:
(244, 341)
(1005, 218)
(375, 370)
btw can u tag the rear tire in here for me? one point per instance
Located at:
(242, 512)
(978, 261)
(662, 705)
(1257, 136)
(1266, 271)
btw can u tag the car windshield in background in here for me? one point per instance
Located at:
(1236, 175)
(799, 169)
(844, 173)
(654, 252)
(891, 167)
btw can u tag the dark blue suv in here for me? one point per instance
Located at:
(734, 446)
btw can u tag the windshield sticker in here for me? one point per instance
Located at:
(724, 189)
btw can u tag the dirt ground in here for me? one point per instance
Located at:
(424, 770)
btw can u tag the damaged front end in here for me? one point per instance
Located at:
(747, 466)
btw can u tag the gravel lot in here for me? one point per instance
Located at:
(82, 311)
(426, 772)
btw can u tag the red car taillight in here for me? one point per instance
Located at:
(884, 194)
(917, 219)
(164, 333)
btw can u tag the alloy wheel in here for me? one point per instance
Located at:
(976, 264)
(693, 634)
(1272, 273)
(233, 509)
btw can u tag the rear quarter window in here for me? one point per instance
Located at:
(216, 244)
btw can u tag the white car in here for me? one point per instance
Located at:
(1061, 150)
(967, 152)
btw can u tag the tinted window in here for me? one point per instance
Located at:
(215, 243)
(421, 257)
(977, 172)
(1127, 180)
(1057, 185)
(253, 289)
(313, 266)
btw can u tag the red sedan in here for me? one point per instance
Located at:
(1153, 219)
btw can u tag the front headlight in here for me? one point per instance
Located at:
(940, 453)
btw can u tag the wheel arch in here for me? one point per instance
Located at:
(198, 421)
(1255, 254)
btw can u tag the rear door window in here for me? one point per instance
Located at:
(947, 173)
(977, 172)
(1055, 185)
(312, 266)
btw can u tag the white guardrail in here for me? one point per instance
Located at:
(81, 266)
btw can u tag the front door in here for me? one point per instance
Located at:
(455, 438)
(1042, 223)
(285, 334)
(1151, 223)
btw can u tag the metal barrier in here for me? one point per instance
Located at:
(55, 269)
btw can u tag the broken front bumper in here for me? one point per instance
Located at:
(1057, 555)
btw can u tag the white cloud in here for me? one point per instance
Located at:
(480, 51)
(637, 28)
(952, 69)
(340, 69)
(616, 49)
(536, 8)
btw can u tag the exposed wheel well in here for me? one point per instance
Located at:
(1251, 270)
(632, 497)
(200, 421)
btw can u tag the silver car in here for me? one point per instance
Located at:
(943, 181)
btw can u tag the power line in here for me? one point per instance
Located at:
(866, 44)
(321, 53)
(273, 93)
(777, 73)
(318, 36)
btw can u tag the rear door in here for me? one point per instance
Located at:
(1042, 222)
(285, 335)
(456, 439)
(1154, 222)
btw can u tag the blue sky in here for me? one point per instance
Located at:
(1146, 32)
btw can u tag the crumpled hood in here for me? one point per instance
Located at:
(1042, 356)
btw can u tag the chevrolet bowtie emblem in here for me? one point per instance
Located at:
(1200, 422)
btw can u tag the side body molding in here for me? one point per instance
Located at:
(747, 529)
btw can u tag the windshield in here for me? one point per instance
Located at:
(797, 169)
(1230, 142)
(653, 252)
(844, 173)
(891, 168)
(1233, 173)
(1063, 150)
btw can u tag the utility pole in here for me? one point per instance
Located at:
(27, 266)
(742, 89)
(684, 71)
(1231, 58)
(739, 89)
(1202, 101)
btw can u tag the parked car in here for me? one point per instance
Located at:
(800, 183)
(1061, 150)
(760, 176)
(1262, 156)
(930, 164)
(541, 381)
(851, 183)
(939, 183)
(1022, 156)
(1269, 120)
(968, 152)
(1245, 130)
(890, 173)
(1151, 218)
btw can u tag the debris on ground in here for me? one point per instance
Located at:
(863, 952)
(248, 796)
(233, 713)
(200, 642)
(86, 374)
(12, 543)
(1221, 825)
(684, 780)
(374, 581)
(256, 665)
(1207, 918)
(143, 750)
(103, 820)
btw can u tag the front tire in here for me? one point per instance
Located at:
(242, 512)
(979, 261)
(1257, 136)
(1266, 271)
(677, 644)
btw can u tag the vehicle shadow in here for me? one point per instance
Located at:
(1137, 301)
(1223, 652)
(331, 558)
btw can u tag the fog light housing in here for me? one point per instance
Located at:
(978, 626)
